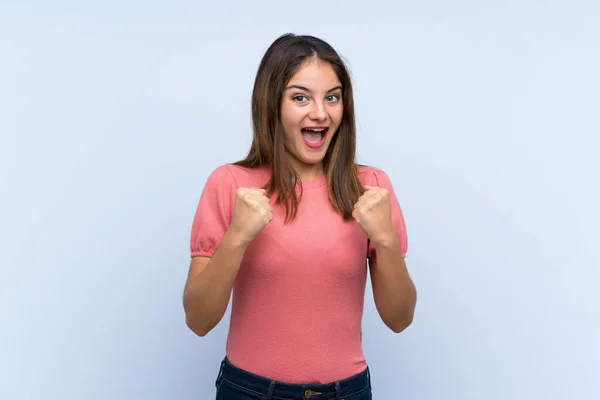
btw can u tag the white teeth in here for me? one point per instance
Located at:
(315, 130)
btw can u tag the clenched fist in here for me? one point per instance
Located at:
(373, 212)
(251, 213)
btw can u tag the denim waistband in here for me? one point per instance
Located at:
(275, 390)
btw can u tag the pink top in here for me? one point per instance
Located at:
(297, 301)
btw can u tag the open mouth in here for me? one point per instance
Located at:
(314, 137)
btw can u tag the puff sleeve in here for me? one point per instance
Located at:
(381, 179)
(213, 213)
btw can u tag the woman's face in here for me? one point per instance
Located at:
(311, 113)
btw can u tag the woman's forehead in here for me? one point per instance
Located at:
(315, 76)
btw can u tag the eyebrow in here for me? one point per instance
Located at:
(310, 91)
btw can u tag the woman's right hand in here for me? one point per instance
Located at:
(205, 301)
(251, 213)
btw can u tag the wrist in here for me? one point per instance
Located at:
(236, 239)
(385, 240)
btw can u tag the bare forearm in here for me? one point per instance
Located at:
(393, 290)
(207, 295)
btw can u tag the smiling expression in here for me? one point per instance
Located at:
(311, 113)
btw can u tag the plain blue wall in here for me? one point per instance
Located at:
(112, 115)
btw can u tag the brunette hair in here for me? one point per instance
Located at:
(281, 61)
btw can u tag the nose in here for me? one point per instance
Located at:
(317, 111)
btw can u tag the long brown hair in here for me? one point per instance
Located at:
(280, 62)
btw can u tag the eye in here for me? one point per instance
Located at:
(333, 98)
(300, 98)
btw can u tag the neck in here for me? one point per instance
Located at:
(308, 173)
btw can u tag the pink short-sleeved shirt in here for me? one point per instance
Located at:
(297, 301)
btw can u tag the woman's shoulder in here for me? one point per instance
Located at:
(370, 175)
(241, 176)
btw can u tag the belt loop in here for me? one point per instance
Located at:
(338, 393)
(270, 392)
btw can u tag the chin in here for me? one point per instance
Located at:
(313, 159)
(308, 157)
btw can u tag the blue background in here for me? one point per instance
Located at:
(484, 114)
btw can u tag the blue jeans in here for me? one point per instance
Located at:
(236, 384)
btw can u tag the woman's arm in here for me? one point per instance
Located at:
(378, 213)
(394, 292)
(210, 280)
(209, 284)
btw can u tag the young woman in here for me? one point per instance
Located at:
(289, 230)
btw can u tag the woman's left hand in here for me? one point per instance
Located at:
(373, 212)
